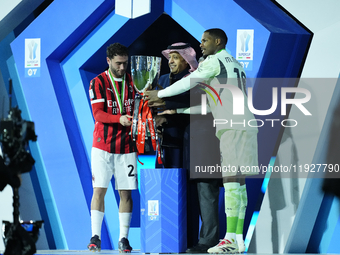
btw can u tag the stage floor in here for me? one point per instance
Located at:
(105, 252)
(85, 252)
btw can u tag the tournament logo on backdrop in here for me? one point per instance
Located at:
(245, 48)
(153, 209)
(32, 57)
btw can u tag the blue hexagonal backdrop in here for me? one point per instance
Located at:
(72, 37)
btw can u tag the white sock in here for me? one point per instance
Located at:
(230, 236)
(96, 222)
(239, 238)
(124, 224)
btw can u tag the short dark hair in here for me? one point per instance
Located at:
(218, 33)
(116, 49)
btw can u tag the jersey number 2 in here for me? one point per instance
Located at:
(131, 171)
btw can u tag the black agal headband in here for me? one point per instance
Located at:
(179, 47)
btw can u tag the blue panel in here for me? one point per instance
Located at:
(251, 229)
(191, 25)
(44, 211)
(5, 54)
(228, 16)
(312, 203)
(163, 210)
(70, 67)
(275, 20)
(324, 227)
(334, 244)
(305, 218)
(44, 109)
(48, 198)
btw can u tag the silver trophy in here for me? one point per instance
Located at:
(145, 71)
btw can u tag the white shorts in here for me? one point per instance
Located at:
(239, 154)
(122, 166)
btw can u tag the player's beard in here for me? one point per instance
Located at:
(116, 73)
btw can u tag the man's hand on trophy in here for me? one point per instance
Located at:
(151, 96)
(158, 109)
(173, 111)
(157, 103)
(160, 120)
(124, 120)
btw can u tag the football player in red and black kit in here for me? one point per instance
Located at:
(113, 151)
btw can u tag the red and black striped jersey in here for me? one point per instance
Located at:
(109, 135)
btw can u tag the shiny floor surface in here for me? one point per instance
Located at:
(104, 252)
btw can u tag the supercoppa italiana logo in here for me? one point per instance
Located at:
(239, 104)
